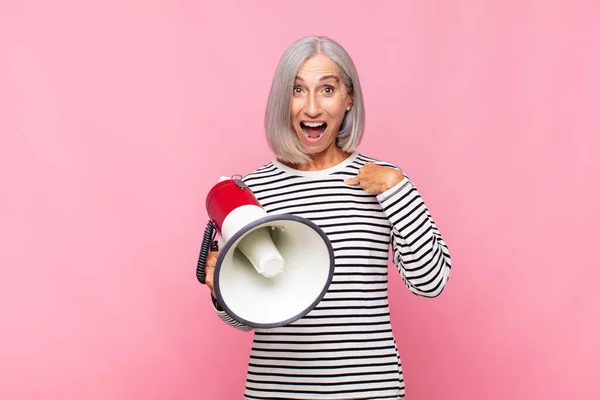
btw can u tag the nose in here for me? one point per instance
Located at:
(312, 107)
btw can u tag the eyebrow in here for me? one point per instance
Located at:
(323, 78)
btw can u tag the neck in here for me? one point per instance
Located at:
(324, 160)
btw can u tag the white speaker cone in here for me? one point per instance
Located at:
(260, 301)
(259, 249)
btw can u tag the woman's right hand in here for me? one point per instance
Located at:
(211, 261)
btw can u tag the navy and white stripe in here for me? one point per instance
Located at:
(345, 347)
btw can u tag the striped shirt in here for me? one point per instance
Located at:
(345, 348)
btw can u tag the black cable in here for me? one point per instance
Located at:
(208, 244)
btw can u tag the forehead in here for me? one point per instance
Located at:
(316, 67)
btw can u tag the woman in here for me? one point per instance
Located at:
(344, 348)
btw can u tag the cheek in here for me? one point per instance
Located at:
(296, 106)
(335, 104)
(337, 110)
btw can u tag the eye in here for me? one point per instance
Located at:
(328, 89)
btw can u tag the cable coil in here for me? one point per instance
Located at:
(208, 244)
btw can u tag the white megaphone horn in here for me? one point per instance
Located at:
(272, 269)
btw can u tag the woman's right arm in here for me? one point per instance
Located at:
(211, 261)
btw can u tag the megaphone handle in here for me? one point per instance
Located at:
(208, 244)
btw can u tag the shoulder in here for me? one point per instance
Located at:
(265, 175)
(362, 159)
(263, 171)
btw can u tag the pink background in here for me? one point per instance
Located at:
(116, 118)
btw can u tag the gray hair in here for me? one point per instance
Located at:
(278, 125)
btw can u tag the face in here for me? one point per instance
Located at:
(320, 101)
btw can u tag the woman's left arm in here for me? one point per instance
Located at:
(419, 251)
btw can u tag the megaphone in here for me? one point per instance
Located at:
(272, 269)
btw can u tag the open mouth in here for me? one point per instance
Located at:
(313, 130)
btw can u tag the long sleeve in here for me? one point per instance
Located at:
(227, 318)
(419, 251)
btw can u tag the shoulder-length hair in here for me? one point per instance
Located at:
(278, 125)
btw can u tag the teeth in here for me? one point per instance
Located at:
(313, 124)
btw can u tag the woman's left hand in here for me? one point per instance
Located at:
(375, 179)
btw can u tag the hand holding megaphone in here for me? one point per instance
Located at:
(211, 261)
